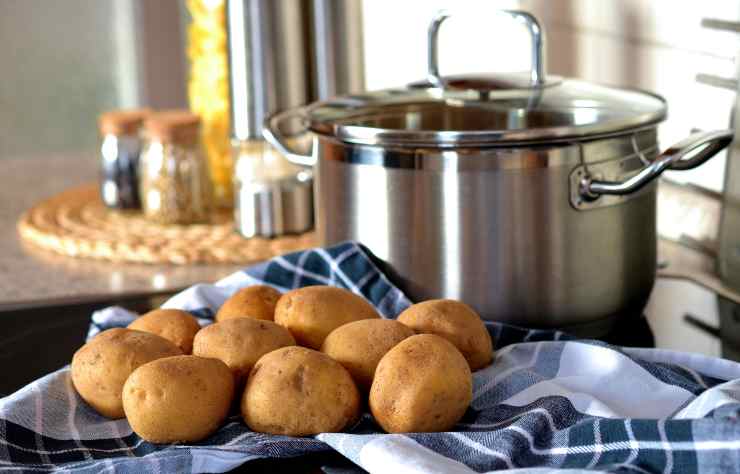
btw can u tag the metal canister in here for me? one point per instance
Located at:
(283, 54)
(268, 61)
(337, 48)
(273, 196)
(269, 71)
(119, 157)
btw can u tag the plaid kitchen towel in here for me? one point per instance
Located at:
(547, 401)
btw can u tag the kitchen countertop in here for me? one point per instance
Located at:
(30, 277)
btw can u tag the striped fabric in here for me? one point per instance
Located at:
(547, 401)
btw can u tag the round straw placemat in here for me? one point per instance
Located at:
(77, 224)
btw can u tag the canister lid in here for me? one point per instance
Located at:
(486, 110)
(122, 122)
(173, 126)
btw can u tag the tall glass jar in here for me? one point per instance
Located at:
(175, 186)
(119, 157)
(208, 90)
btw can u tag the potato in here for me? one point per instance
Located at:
(172, 324)
(456, 322)
(101, 367)
(299, 392)
(312, 312)
(257, 301)
(178, 399)
(423, 384)
(360, 345)
(239, 343)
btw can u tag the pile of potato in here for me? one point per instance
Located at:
(301, 363)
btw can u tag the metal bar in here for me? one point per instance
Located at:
(722, 25)
(717, 81)
(701, 325)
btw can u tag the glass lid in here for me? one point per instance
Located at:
(486, 110)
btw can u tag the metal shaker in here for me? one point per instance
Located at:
(273, 196)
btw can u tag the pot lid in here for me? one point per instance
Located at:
(486, 110)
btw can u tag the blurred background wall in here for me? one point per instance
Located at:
(656, 45)
(62, 63)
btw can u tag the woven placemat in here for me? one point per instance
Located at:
(77, 224)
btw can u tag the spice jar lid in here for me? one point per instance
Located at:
(122, 122)
(173, 126)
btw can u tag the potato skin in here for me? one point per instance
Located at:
(312, 312)
(360, 345)
(178, 399)
(174, 325)
(239, 343)
(456, 322)
(100, 367)
(423, 384)
(299, 392)
(257, 301)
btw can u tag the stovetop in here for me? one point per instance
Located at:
(685, 316)
(631, 332)
(682, 316)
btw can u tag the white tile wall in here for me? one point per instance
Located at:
(657, 45)
(396, 39)
(670, 301)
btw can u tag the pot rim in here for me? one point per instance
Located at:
(354, 118)
(449, 140)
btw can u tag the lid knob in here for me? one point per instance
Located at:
(537, 71)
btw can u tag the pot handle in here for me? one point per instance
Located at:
(708, 144)
(537, 72)
(272, 131)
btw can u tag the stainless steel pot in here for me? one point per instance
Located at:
(532, 199)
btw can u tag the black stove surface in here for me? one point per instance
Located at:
(727, 332)
(708, 329)
(633, 331)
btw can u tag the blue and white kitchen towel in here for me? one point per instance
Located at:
(548, 401)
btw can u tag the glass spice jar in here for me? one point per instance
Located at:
(174, 183)
(119, 157)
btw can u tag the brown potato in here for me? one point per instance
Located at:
(456, 322)
(423, 384)
(178, 399)
(360, 345)
(172, 324)
(312, 312)
(101, 367)
(299, 392)
(239, 343)
(257, 301)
